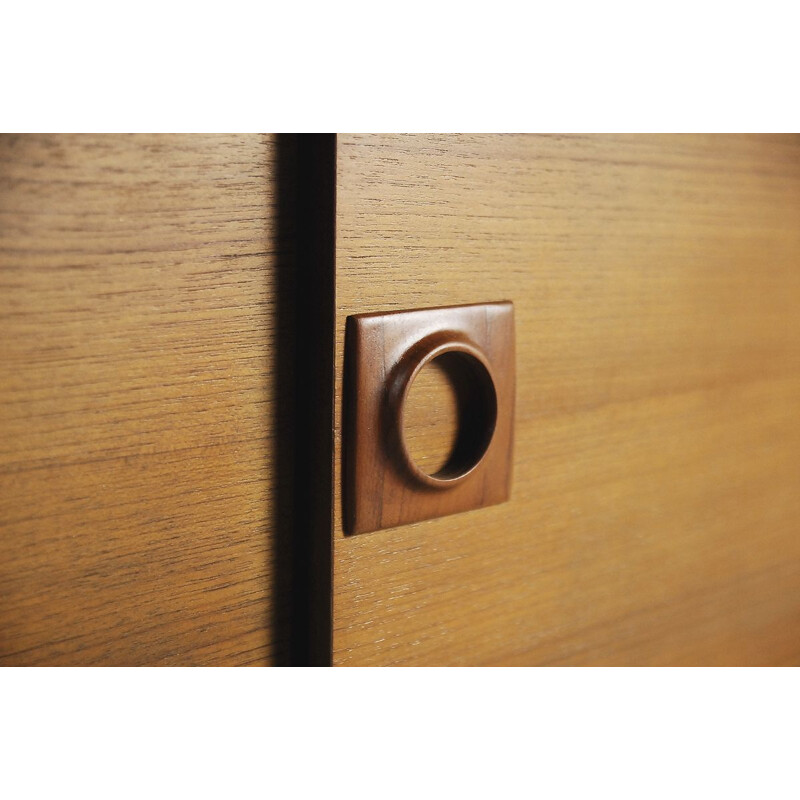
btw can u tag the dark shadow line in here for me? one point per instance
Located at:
(303, 418)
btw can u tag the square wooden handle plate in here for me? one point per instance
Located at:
(384, 486)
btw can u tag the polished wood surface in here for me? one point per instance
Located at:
(385, 485)
(656, 496)
(137, 463)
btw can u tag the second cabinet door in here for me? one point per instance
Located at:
(654, 505)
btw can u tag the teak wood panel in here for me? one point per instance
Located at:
(137, 461)
(655, 508)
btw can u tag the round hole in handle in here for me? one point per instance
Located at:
(467, 395)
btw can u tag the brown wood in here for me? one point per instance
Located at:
(385, 353)
(431, 417)
(144, 408)
(656, 495)
(138, 485)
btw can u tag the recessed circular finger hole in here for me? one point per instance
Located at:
(449, 416)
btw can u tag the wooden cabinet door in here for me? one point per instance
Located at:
(138, 459)
(656, 492)
(168, 388)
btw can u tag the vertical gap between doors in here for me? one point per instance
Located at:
(303, 419)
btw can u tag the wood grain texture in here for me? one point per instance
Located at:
(137, 478)
(431, 421)
(656, 496)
